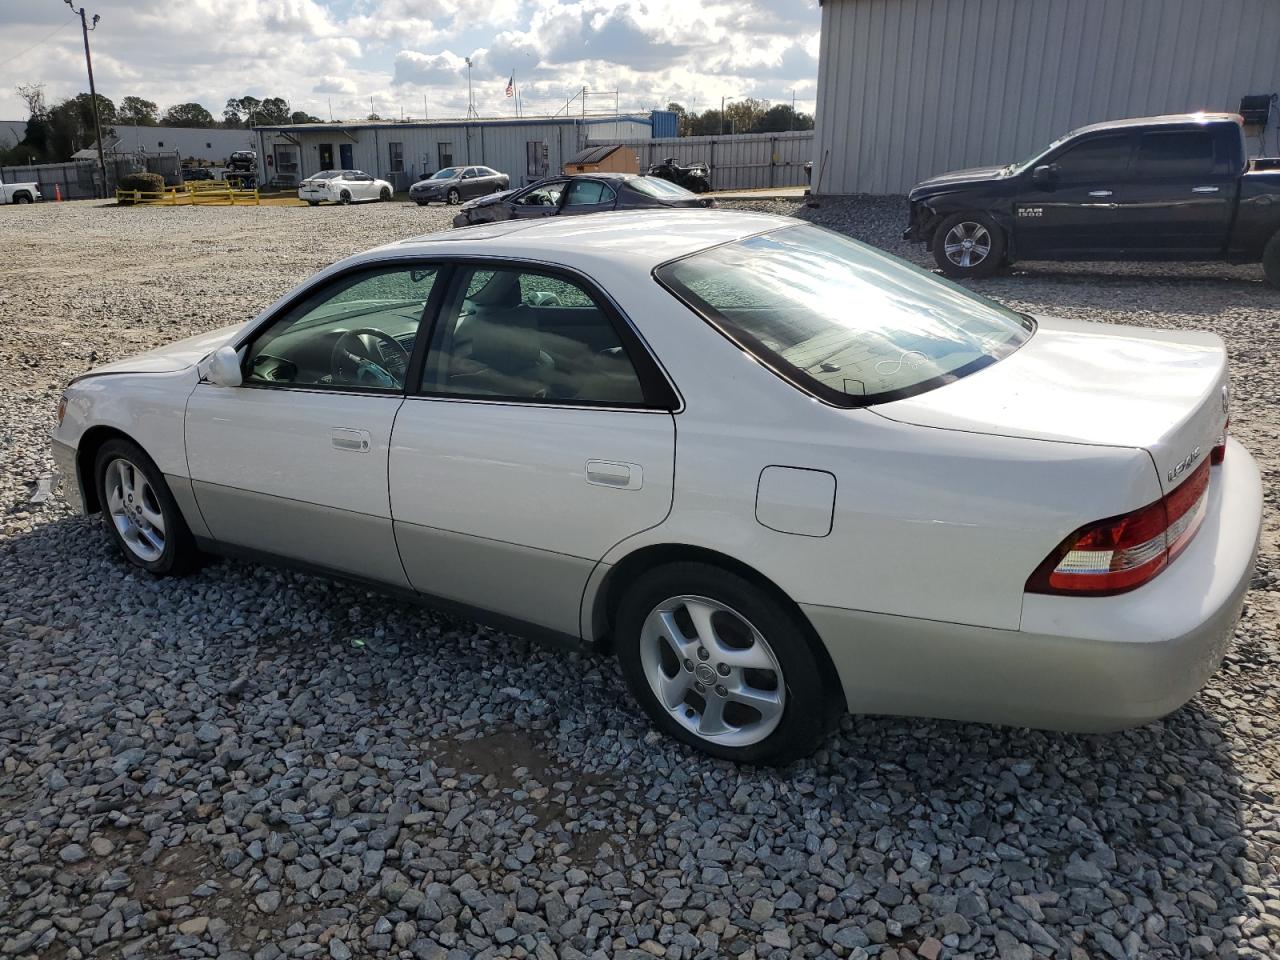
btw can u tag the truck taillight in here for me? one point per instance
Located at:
(1122, 553)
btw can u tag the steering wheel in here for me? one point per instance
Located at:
(358, 357)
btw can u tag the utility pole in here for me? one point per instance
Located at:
(471, 100)
(93, 91)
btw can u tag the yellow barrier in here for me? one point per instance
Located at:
(197, 193)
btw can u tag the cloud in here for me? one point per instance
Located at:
(426, 69)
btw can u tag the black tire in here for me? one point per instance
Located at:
(1271, 261)
(421, 203)
(345, 196)
(384, 195)
(22, 198)
(180, 554)
(974, 227)
(804, 718)
(313, 203)
(454, 196)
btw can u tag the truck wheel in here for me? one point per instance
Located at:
(22, 198)
(968, 245)
(1271, 260)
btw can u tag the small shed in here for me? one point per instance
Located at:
(608, 158)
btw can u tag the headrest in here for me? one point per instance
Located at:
(502, 290)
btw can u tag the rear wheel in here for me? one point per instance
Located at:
(1271, 260)
(422, 203)
(22, 198)
(720, 665)
(968, 245)
(454, 196)
(141, 514)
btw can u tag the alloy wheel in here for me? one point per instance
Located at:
(135, 510)
(967, 244)
(712, 671)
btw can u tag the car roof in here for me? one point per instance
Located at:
(639, 238)
(1166, 120)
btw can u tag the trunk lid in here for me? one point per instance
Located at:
(1075, 381)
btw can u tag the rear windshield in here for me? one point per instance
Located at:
(325, 175)
(840, 319)
(657, 187)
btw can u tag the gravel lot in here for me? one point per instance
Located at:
(255, 763)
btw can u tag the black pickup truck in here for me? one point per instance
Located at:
(1156, 188)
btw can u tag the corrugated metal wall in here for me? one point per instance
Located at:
(737, 161)
(912, 88)
(503, 145)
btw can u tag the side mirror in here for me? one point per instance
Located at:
(1044, 175)
(222, 368)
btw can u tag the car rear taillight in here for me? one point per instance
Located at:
(1219, 451)
(1122, 553)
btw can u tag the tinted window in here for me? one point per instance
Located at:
(1099, 158)
(586, 192)
(1181, 153)
(448, 173)
(526, 335)
(657, 187)
(842, 319)
(357, 332)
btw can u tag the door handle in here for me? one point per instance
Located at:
(349, 440)
(614, 473)
(1204, 189)
(1099, 193)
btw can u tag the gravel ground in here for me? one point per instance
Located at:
(256, 763)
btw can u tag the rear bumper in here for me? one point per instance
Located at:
(1077, 664)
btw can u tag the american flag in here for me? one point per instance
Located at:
(511, 86)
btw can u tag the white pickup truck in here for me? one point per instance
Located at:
(20, 192)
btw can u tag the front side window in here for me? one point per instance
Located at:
(396, 156)
(1176, 154)
(841, 320)
(356, 333)
(545, 195)
(516, 334)
(1098, 158)
(588, 193)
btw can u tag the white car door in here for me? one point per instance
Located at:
(294, 461)
(540, 437)
(365, 188)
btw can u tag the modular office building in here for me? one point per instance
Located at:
(524, 148)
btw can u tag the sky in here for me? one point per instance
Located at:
(329, 57)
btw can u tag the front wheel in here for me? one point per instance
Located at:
(141, 513)
(384, 195)
(454, 196)
(968, 245)
(1271, 260)
(345, 196)
(720, 665)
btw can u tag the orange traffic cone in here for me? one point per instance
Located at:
(57, 193)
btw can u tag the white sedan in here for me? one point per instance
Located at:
(781, 474)
(343, 186)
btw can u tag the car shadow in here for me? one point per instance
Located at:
(1137, 839)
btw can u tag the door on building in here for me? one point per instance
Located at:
(326, 156)
(1075, 212)
(444, 152)
(344, 153)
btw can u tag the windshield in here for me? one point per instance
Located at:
(448, 173)
(1025, 164)
(840, 319)
(662, 189)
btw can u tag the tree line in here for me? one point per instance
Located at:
(747, 115)
(55, 132)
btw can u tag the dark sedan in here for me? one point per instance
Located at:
(585, 193)
(455, 184)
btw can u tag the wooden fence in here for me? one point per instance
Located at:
(197, 193)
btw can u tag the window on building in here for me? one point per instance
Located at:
(396, 152)
(160, 144)
(208, 146)
(444, 153)
(537, 162)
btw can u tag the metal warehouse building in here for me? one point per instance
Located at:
(912, 88)
(524, 148)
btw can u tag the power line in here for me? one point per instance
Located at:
(45, 39)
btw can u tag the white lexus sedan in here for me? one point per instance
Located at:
(343, 186)
(781, 474)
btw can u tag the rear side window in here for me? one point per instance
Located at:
(588, 193)
(841, 320)
(1098, 158)
(1183, 153)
